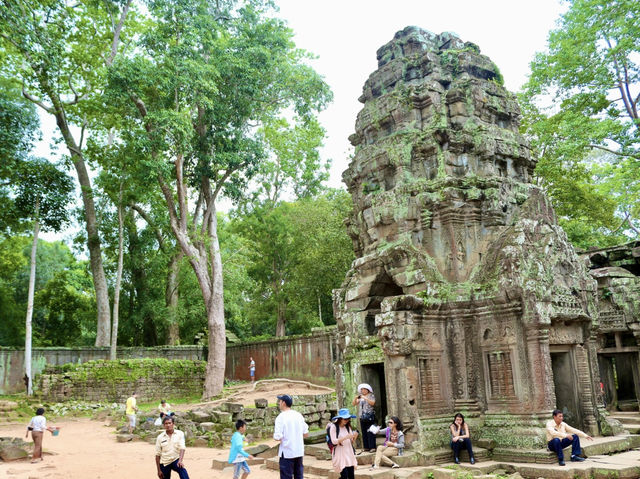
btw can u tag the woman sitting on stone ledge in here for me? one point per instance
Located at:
(460, 437)
(393, 444)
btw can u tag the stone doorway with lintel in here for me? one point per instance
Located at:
(619, 372)
(373, 374)
(565, 382)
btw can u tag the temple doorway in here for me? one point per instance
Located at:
(566, 387)
(373, 374)
(619, 376)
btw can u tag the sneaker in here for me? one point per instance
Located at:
(456, 460)
(473, 460)
(577, 458)
(373, 467)
(395, 466)
(561, 462)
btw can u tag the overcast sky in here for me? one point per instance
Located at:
(345, 35)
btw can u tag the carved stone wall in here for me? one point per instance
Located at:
(463, 278)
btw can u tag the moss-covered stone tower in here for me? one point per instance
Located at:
(466, 294)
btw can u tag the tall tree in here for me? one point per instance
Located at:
(590, 78)
(60, 51)
(42, 194)
(203, 77)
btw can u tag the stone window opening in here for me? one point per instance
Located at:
(381, 288)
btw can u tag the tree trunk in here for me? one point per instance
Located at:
(116, 293)
(95, 253)
(281, 325)
(319, 306)
(32, 285)
(172, 297)
(93, 237)
(216, 361)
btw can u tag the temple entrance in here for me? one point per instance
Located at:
(566, 387)
(619, 375)
(373, 374)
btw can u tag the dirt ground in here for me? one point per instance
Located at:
(88, 449)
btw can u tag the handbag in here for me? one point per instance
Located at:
(368, 416)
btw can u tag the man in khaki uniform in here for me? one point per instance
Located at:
(170, 450)
(560, 435)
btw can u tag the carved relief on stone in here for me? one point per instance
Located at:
(566, 305)
(563, 333)
(611, 317)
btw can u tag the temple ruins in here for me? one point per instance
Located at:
(465, 295)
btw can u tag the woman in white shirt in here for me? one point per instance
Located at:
(37, 426)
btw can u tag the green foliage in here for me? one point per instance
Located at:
(127, 370)
(587, 77)
(64, 309)
(42, 192)
(299, 253)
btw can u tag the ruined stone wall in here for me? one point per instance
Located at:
(12, 359)
(213, 426)
(115, 381)
(464, 288)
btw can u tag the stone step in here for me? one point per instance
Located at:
(319, 451)
(601, 445)
(445, 456)
(624, 465)
(632, 428)
(602, 462)
(626, 418)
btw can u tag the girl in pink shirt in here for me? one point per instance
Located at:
(343, 456)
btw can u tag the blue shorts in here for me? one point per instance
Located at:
(238, 467)
(252, 372)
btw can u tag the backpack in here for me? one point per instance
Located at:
(330, 444)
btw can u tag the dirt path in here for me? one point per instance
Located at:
(247, 393)
(87, 449)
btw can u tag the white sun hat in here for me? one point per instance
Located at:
(365, 386)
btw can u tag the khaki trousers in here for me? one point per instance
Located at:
(383, 453)
(37, 444)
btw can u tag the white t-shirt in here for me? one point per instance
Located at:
(290, 428)
(38, 423)
(169, 447)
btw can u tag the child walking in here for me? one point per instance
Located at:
(237, 455)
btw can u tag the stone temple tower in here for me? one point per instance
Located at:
(466, 294)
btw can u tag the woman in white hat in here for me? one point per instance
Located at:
(366, 401)
(343, 458)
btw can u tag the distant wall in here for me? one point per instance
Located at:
(115, 381)
(296, 357)
(12, 360)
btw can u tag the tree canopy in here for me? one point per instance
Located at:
(581, 111)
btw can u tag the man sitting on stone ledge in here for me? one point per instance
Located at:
(560, 435)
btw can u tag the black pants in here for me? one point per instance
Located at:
(557, 445)
(291, 467)
(166, 470)
(347, 473)
(368, 438)
(458, 445)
